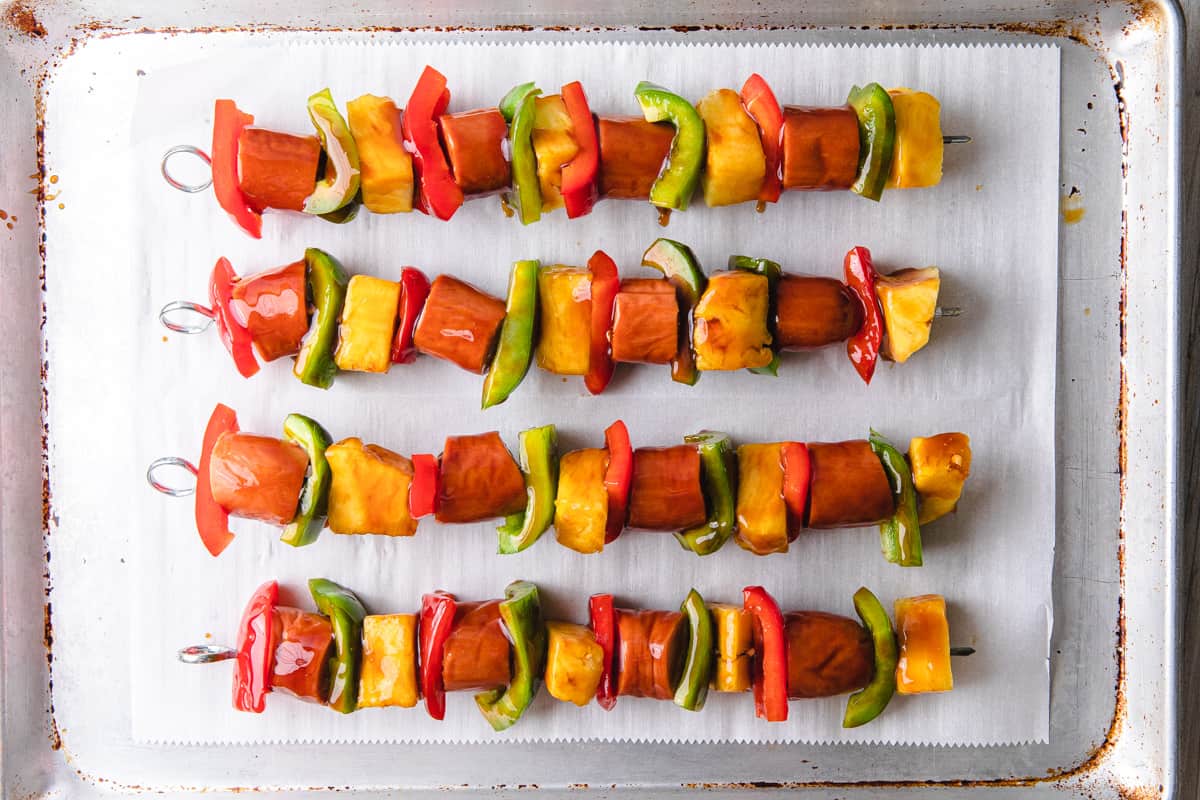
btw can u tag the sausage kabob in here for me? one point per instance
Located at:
(503, 649)
(704, 490)
(549, 152)
(572, 321)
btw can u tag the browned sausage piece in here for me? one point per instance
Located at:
(476, 654)
(277, 170)
(632, 152)
(820, 148)
(479, 479)
(645, 324)
(849, 487)
(301, 642)
(827, 654)
(474, 143)
(257, 477)
(651, 646)
(459, 323)
(275, 306)
(665, 494)
(814, 312)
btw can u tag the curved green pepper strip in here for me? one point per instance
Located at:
(521, 611)
(899, 536)
(327, 282)
(512, 101)
(338, 190)
(514, 349)
(876, 136)
(346, 212)
(681, 172)
(697, 668)
(677, 262)
(870, 701)
(772, 272)
(346, 613)
(314, 495)
(539, 462)
(716, 471)
(518, 108)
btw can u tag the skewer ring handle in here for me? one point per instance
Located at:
(206, 653)
(174, 183)
(164, 316)
(165, 488)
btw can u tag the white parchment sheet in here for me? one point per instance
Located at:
(991, 226)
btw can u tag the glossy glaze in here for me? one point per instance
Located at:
(257, 477)
(665, 494)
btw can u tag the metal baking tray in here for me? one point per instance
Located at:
(1115, 626)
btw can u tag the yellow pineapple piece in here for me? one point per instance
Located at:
(729, 329)
(565, 312)
(908, 298)
(389, 661)
(369, 491)
(940, 466)
(731, 671)
(387, 171)
(554, 146)
(574, 662)
(581, 505)
(924, 635)
(761, 512)
(368, 324)
(917, 157)
(735, 164)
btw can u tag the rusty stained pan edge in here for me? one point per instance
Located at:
(1088, 35)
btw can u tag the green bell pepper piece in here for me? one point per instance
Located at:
(512, 101)
(314, 495)
(681, 173)
(772, 272)
(877, 138)
(677, 262)
(346, 613)
(539, 463)
(698, 667)
(518, 108)
(717, 473)
(514, 350)
(900, 536)
(327, 282)
(346, 212)
(870, 701)
(521, 611)
(339, 189)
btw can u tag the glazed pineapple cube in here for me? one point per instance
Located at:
(908, 298)
(735, 164)
(553, 145)
(367, 325)
(389, 661)
(917, 157)
(732, 669)
(565, 312)
(581, 505)
(387, 171)
(730, 322)
(940, 466)
(574, 662)
(369, 491)
(761, 511)
(924, 635)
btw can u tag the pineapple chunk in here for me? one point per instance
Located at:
(917, 157)
(908, 298)
(554, 146)
(735, 164)
(565, 312)
(574, 662)
(581, 505)
(761, 511)
(389, 661)
(924, 635)
(730, 322)
(940, 466)
(387, 170)
(367, 325)
(732, 670)
(369, 492)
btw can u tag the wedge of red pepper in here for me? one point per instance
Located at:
(605, 285)
(762, 106)
(437, 193)
(602, 617)
(863, 347)
(414, 289)
(228, 124)
(437, 620)
(255, 653)
(579, 190)
(797, 473)
(235, 335)
(770, 664)
(212, 521)
(423, 491)
(618, 478)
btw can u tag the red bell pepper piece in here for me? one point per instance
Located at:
(771, 659)
(228, 124)
(579, 190)
(618, 478)
(234, 333)
(437, 193)
(602, 618)
(797, 473)
(212, 521)
(863, 347)
(437, 620)
(414, 289)
(255, 650)
(605, 285)
(423, 492)
(761, 104)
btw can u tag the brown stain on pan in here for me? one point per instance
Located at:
(20, 16)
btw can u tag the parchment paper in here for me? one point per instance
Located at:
(991, 226)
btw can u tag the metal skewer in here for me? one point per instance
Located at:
(956, 138)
